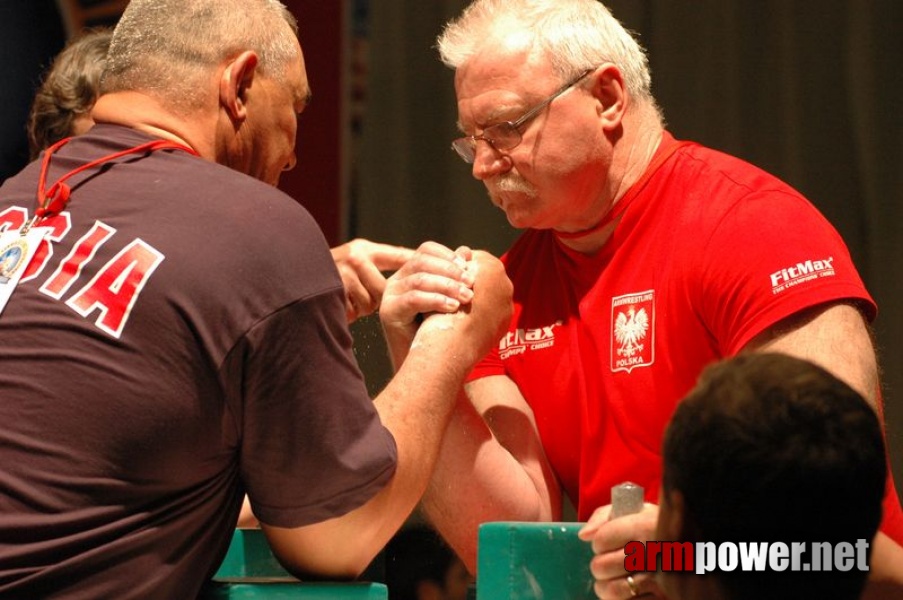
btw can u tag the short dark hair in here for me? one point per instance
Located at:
(768, 447)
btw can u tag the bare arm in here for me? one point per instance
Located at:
(833, 336)
(491, 465)
(491, 468)
(415, 407)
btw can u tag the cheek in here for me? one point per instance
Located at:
(550, 162)
(290, 123)
(569, 150)
(576, 170)
(289, 133)
(566, 154)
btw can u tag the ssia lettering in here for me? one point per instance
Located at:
(112, 292)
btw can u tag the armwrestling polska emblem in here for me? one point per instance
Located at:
(633, 331)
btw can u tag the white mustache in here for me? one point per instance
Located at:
(514, 184)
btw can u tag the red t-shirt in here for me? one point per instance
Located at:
(709, 252)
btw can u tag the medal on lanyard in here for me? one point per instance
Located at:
(18, 247)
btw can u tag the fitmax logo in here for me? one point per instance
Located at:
(519, 340)
(801, 272)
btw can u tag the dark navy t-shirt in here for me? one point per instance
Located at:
(180, 341)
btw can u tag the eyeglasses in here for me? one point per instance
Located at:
(506, 135)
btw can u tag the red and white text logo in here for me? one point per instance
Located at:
(706, 557)
(111, 294)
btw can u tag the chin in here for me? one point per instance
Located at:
(521, 221)
(515, 217)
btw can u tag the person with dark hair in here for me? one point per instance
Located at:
(771, 448)
(176, 336)
(421, 566)
(62, 105)
(643, 258)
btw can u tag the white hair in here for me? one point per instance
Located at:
(573, 34)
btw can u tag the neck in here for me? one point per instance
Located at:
(145, 113)
(631, 155)
(591, 240)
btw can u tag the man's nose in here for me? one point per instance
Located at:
(489, 162)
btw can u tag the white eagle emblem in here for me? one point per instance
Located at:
(630, 330)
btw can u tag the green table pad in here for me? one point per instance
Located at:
(295, 591)
(249, 556)
(533, 561)
(249, 571)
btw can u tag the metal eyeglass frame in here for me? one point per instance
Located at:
(497, 134)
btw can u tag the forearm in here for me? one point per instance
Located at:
(478, 480)
(398, 342)
(416, 407)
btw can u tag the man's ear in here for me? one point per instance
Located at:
(236, 80)
(609, 89)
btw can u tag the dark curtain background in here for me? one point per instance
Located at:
(807, 89)
(31, 33)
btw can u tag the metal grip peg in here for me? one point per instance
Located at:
(626, 499)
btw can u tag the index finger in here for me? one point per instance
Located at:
(599, 516)
(390, 258)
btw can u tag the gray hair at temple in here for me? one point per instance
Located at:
(573, 34)
(167, 47)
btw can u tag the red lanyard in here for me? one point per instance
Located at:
(54, 200)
